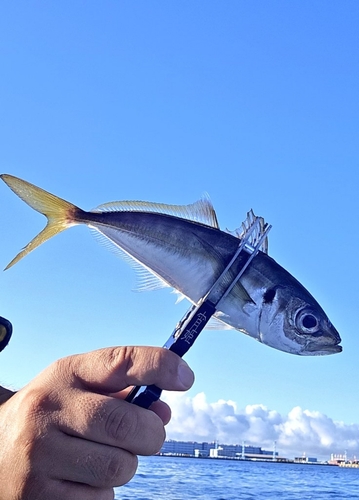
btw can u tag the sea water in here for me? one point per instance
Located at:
(173, 478)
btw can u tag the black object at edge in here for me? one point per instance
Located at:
(4, 339)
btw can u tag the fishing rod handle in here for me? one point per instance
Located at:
(5, 332)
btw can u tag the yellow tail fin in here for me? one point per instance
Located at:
(60, 213)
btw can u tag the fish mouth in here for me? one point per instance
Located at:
(323, 349)
(325, 344)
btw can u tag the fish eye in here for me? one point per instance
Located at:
(307, 322)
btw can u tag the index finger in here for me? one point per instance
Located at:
(113, 369)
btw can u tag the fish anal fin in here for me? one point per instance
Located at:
(147, 280)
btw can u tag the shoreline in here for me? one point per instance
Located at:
(270, 460)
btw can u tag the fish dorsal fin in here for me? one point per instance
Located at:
(258, 224)
(201, 211)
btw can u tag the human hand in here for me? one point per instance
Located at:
(70, 435)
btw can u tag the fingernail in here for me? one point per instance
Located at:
(185, 375)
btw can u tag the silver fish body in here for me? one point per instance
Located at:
(269, 304)
(185, 249)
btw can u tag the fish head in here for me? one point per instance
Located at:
(292, 321)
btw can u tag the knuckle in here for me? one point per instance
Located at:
(33, 411)
(119, 469)
(42, 406)
(62, 368)
(117, 356)
(115, 468)
(121, 425)
(36, 404)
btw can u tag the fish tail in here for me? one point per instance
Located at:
(60, 213)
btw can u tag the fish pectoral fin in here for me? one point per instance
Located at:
(216, 323)
(241, 294)
(60, 213)
(180, 296)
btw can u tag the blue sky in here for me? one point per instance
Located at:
(255, 103)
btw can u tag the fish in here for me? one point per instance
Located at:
(183, 247)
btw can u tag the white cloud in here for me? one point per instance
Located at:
(300, 431)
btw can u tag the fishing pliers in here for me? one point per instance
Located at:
(196, 318)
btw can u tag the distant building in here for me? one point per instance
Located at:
(305, 460)
(343, 460)
(171, 447)
(214, 450)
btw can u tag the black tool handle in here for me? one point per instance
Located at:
(182, 338)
